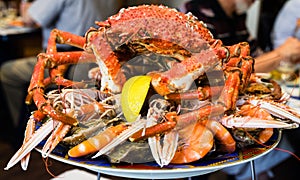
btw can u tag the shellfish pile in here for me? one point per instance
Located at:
(163, 87)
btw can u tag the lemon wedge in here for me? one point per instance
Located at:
(133, 95)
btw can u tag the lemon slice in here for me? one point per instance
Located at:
(133, 96)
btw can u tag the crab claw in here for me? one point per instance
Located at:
(280, 111)
(34, 140)
(251, 122)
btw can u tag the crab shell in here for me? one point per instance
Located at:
(144, 29)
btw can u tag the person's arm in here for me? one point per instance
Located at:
(26, 18)
(267, 62)
(289, 51)
(285, 23)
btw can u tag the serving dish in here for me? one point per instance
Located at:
(152, 170)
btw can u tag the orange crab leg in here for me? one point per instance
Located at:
(63, 37)
(46, 108)
(238, 69)
(194, 116)
(179, 121)
(52, 60)
(231, 89)
(202, 93)
(240, 58)
(181, 75)
(36, 87)
(153, 130)
(114, 77)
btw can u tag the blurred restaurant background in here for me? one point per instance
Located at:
(27, 41)
(18, 41)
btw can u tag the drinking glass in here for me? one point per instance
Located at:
(12, 10)
(287, 70)
(2, 9)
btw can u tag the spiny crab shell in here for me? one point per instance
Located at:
(150, 28)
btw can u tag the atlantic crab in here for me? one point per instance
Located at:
(142, 30)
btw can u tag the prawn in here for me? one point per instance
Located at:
(195, 142)
(227, 142)
(257, 112)
(97, 142)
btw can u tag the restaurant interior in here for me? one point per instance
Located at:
(18, 41)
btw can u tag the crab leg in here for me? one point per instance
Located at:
(237, 69)
(55, 62)
(36, 87)
(239, 58)
(63, 37)
(182, 75)
(194, 116)
(231, 89)
(152, 131)
(201, 93)
(46, 108)
(34, 140)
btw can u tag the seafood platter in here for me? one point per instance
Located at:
(165, 98)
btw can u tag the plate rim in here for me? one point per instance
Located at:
(164, 172)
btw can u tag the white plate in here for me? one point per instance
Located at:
(153, 171)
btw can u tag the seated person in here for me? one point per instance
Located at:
(226, 19)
